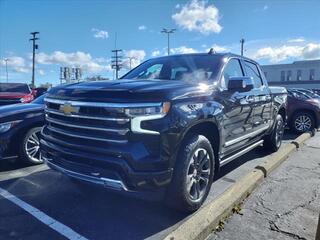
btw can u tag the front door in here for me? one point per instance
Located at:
(238, 110)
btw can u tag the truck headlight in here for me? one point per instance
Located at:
(140, 114)
(4, 127)
(162, 109)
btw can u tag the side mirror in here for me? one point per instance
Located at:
(240, 84)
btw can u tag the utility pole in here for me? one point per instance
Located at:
(34, 47)
(242, 43)
(168, 32)
(6, 60)
(116, 61)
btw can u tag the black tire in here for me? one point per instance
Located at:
(273, 141)
(194, 167)
(31, 139)
(302, 122)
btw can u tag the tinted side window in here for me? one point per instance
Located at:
(233, 69)
(252, 71)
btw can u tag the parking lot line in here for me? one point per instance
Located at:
(41, 216)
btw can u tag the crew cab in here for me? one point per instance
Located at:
(168, 124)
(11, 93)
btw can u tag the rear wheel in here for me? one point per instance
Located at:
(30, 147)
(193, 174)
(302, 122)
(273, 141)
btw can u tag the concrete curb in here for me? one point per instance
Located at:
(199, 225)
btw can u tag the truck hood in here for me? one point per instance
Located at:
(125, 90)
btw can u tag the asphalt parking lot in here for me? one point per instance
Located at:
(93, 213)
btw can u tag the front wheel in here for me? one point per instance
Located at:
(273, 141)
(193, 174)
(30, 147)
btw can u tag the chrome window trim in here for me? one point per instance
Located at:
(101, 104)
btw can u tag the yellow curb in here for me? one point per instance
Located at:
(199, 225)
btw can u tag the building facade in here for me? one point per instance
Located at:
(299, 74)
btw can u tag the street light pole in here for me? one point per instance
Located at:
(34, 47)
(6, 60)
(168, 32)
(130, 63)
(242, 43)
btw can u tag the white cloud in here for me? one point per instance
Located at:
(296, 40)
(97, 33)
(74, 59)
(18, 64)
(142, 27)
(219, 48)
(198, 16)
(177, 6)
(155, 53)
(182, 50)
(135, 56)
(41, 72)
(281, 53)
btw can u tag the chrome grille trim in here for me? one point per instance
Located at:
(123, 131)
(119, 120)
(102, 104)
(53, 129)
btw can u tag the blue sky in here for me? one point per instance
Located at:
(82, 33)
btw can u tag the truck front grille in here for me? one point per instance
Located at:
(86, 122)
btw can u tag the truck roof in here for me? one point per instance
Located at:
(222, 55)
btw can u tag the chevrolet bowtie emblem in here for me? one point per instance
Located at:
(67, 109)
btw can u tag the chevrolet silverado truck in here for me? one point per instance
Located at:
(171, 123)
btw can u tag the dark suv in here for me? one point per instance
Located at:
(170, 124)
(303, 110)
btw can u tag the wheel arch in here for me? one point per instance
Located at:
(210, 130)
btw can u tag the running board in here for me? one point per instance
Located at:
(238, 154)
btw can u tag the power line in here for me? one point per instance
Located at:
(168, 32)
(116, 62)
(34, 47)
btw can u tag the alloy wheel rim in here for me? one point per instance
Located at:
(32, 147)
(198, 174)
(303, 123)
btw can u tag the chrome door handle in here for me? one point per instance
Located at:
(249, 99)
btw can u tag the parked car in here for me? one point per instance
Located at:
(311, 93)
(303, 111)
(20, 126)
(11, 93)
(168, 124)
(40, 91)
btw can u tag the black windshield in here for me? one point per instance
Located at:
(190, 68)
(14, 87)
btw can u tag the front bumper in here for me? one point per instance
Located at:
(108, 173)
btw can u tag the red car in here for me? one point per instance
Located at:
(11, 93)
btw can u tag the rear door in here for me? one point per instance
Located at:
(261, 118)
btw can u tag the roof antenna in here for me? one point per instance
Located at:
(211, 51)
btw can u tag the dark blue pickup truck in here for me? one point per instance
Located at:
(169, 124)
